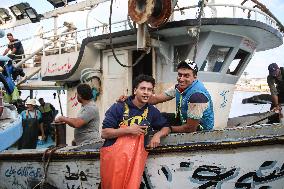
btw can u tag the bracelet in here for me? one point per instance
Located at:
(171, 128)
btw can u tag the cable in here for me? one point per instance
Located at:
(111, 45)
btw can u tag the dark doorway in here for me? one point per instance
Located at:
(144, 66)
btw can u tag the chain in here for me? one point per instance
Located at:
(200, 12)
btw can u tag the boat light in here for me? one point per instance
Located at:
(19, 10)
(32, 14)
(4, 15)
(59, 3)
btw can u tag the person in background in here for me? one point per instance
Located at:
(32, 122)
(275, 81)
(87, 122)
(123, 155)
(16, 48)
(48, 114)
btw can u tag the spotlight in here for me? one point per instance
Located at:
(32, 14)
(59, 3)
(4, 15)
(19, 10)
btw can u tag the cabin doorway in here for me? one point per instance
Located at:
(144, 66)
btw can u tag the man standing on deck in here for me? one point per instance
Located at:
(123, 155)
(16, 48)
(194, 107)
(87, 122)
(48, 114)
(275, 81)
(32, 122)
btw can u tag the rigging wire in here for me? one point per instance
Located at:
(111, 44)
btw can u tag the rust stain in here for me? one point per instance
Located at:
(140, 10)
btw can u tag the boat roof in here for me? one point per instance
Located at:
(264, 35)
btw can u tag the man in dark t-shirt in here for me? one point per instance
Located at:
(16, 48)
(275, 81)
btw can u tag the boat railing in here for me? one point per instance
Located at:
(70, 41)
(223, 10)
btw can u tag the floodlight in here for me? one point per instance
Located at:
(4, 15)
(19, 10)
(59, 3)
(32, 14)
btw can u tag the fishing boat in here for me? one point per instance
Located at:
(220, 37)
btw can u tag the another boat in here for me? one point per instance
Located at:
(10, 126)
(235, 157)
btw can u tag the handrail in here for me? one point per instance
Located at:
(30, 56)
(267, 14)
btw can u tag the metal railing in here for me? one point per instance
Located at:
(61, 43)
(232, 11)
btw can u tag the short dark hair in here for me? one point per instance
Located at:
(140, 78)
(85, 91)
(40, 99)
(9, 34)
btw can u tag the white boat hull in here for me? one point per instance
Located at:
(250, 157)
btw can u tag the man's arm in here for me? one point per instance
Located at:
(159, 98)
(190, 126)
(6, 51)
(156, 139)
(42, 131)
(275, 100)
(110, 133)
(72, 122)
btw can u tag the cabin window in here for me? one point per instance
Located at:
(182, 52)
(215, 59)
(238, 62)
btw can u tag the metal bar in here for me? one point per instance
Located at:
(29, 76)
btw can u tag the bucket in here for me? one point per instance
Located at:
(60, 133)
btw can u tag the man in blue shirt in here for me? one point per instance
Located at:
(194, 107)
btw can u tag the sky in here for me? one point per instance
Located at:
(257, 67)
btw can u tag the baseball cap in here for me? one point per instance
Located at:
(273, 69)
(188, 63)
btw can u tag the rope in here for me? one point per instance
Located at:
(201, 5)
(46, 164)
(111, 45)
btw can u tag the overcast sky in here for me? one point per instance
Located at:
(256, 68)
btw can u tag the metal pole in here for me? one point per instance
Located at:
(59, 102)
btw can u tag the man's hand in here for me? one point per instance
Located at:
(59, 119)
(277, 109)
(136, 129)
(155, 141)
(122, 98)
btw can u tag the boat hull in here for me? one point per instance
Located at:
(12, 131)
(245, 157)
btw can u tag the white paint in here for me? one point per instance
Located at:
(222, 95)
(182, 169)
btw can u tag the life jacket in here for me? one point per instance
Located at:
(46, 108)
(122, 164)
(182, 99)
